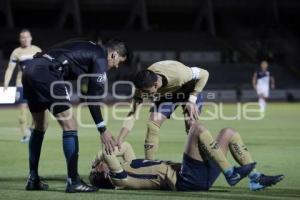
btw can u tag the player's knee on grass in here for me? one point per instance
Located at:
(151, 140)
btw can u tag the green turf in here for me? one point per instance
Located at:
(273, 141)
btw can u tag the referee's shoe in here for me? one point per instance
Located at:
(79, 186)
(35, 183)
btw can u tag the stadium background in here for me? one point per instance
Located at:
(228, 38)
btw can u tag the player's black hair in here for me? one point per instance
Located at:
(264, 60)
(144, 79)
(99, 180)
(23, 30)
(119, 46)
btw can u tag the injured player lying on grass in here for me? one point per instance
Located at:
(203, 160)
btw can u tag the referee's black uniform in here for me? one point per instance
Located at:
(64, 62)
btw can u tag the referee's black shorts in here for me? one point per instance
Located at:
(41, 88)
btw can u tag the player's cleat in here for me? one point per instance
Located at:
(36, 184)
(262, 181)
(239, 173)
(79, 186)
(25, 139)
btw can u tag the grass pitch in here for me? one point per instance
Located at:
(273, 141)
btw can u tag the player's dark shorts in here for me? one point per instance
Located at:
(20, 96)
(196, 175)
(38, 76)
(167, 104)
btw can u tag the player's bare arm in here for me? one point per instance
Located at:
(8, 73)
(202, 76)
(129, 121)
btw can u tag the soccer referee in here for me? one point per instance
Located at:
(63, 62)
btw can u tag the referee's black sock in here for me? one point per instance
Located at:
(35, 145)
(71, 148)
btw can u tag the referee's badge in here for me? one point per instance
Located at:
(102, 78)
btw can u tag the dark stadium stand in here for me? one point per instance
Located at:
(228, 38)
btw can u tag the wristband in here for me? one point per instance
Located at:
(192, 98)
(101, 127)
(195, 73)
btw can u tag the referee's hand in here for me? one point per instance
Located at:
(108, 141)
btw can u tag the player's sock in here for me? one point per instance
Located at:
(232, 174)
(71, 149)
(35, 145)
(241, 154)
(239, 150)
(211, 147)
(152, 140)
(262, 104)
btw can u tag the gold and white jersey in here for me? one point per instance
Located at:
(17, 58)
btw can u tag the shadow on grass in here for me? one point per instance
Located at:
(270, 192)
(58, 178)
(57, 185)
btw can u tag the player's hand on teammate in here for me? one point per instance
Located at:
(108, 141)
(120, 140)
(121, 137)
(192, 110)
(119, 143)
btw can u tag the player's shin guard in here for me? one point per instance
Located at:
(71, 149)
(239, 150)
(211, 147)
(35, 145)
(152, 140)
